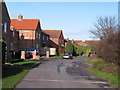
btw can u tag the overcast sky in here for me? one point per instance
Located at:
(74, 18)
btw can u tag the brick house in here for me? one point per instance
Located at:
(91, 42)
(4, 16)
(80, 42)
(56, 38)
(44, 42)
(76, 42)
(29, 32)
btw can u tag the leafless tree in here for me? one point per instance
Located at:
(103, 26)
(107, 31)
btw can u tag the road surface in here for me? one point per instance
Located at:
(61, 73)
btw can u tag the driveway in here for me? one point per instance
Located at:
(61, 73)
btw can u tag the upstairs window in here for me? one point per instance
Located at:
(47, 38)
(43, 37)
(39, 36)
(11, 46)
(5, 27)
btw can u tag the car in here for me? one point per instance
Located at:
(29, 52)
(67, 56)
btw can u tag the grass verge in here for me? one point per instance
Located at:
(104, 75)
(13, 73)
(104, 70)
(56, 57)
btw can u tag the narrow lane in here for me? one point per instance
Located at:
(61, 73)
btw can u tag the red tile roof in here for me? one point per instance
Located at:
(91, 41)
(53, 33)
(44, 32)
(30, 24)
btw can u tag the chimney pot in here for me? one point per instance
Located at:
(20, 17)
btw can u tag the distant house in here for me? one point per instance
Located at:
(91, 42)
(29, 32)
(5, 29)
(80, 42)
(76, 42)
(56, 38)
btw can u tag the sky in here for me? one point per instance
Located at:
(76, 19)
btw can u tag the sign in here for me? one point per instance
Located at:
(52, 51)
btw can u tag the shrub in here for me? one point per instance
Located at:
(69, 47)
(104, 66)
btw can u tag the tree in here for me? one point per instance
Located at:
(80, 49)
(87, 49)
(107, 31)
(69, 47)
(103, 26)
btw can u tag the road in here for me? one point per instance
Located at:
(61, 73)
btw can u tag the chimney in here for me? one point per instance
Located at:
(20, 17)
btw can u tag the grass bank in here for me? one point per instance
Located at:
(54, 57)
(104, 70)
(13, 73)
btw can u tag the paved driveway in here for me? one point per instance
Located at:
(61, 73)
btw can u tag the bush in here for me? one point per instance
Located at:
(104, 66)
(69, 47)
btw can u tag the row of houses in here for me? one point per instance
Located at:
(27, 33)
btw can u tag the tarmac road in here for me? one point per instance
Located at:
(61, 73)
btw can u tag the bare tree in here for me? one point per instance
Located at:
(103, 26)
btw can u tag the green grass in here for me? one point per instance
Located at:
(56, 57)
(13, 73)
(25, 62)
(108, 76)
(104, 70)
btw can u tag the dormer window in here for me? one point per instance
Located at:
(5, 27)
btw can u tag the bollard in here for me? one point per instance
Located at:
(34, 55)
(23, 55)
(47, 54)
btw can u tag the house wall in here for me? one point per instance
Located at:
(30, 38)
(44, 40)
(37, 43)
(61, 40)
(6, 35)
(27, 38)
(14, 35)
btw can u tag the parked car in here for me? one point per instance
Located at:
(29, 52)
(67, 56)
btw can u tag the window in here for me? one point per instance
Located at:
(11, 46)
(39, 35)
(43, 37)
(36, 35)
(37, 45)
(47, 38)
(13, 34)
(5, 27)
